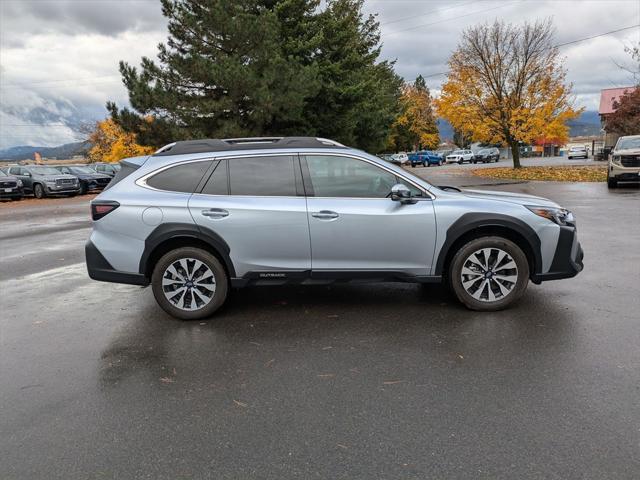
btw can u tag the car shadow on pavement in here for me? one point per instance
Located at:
(301, 324)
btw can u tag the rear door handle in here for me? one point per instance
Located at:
(215, 213)
(325, 215)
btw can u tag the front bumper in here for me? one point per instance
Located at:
(567, 260)
(62, 190)
(12, 193)
(624, 174)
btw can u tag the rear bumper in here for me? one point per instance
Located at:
(567, 260)
(100, 269)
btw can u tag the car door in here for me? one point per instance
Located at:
(353, 224)
(256, 204)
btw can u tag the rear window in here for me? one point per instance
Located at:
(262, 176)
(180, 178)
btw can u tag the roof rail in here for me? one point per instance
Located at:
(249, 143)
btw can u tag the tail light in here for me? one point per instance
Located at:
(101, 208)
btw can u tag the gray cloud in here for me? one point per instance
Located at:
(81, 41)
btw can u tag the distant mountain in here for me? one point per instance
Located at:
(587, 124)
(60, 152)
(445, 130)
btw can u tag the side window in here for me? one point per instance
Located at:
(180, 178)
(217, 183)
(14, 170)
(262, 176)
(414, 191)
(333, 176)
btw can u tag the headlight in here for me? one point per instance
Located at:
(19, 182)
(561, 216)
(50, 182)
(617, 159)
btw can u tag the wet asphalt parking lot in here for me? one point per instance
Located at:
(350, 381)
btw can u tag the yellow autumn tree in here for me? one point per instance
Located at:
(111, 143)
(507, 85)
(415, 127)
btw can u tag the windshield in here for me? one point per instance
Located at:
(81, 170)
(44, 170)
(458, 152)
(627, 143)
(577, 148)
(2, 174)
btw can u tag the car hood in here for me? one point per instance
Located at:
(91, 176)
(517, 198)
(53, 178)
(628, 151)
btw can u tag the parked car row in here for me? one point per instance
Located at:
(42, 181)
(426, 158)
(486, 155)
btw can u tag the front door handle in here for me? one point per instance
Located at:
(215, 213)
(325, 215)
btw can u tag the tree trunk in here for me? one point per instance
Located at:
(515, 153)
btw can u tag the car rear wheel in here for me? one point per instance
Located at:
(189, 283)
(38, 191)
(489, 273)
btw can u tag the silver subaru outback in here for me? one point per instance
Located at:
(198, 217)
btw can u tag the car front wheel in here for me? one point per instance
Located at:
(38, 191)
(189, 283)
(489, 273)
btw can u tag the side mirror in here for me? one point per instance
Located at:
(401, 193)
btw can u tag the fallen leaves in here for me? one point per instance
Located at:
(240, 404)
(596, 173)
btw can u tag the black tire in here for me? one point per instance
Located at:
(38, 191)
(83, 188)
(219, 275)
(612, 182)
(517, 288)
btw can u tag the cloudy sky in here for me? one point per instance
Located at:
(59, 58)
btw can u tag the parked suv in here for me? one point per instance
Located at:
(487, 155)
(105, 168)
(460, 156)
(199, 217)
(10, 187)
(42, 180)
(90, 180)
(624, 162)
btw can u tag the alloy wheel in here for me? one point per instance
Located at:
(188, 284)
(489, 274)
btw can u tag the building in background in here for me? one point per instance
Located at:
(608, 97)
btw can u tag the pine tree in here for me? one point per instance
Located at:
(263, 67)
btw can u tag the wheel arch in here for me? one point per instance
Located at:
(170, 236)
(475, 225)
